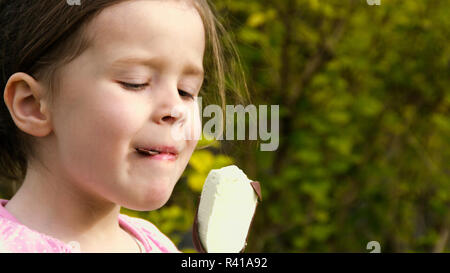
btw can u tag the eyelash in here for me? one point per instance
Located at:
(137, 87)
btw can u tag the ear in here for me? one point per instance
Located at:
(24, 98)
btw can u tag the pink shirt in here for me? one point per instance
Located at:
(15, 237)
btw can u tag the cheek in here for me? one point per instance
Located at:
(97, 127)
(191, 144)
(190, 147)
(115, 116)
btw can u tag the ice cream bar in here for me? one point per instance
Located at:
(227, 205)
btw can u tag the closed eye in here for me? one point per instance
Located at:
(134, 86)
(185, 94)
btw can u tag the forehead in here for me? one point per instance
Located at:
(171, 29)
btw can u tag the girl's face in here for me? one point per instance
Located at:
(120, 94)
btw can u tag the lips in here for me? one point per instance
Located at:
(156, 150)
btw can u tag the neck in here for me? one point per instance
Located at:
(64, 210)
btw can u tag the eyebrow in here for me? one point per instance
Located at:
(189, 69)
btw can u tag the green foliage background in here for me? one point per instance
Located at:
(364, 127)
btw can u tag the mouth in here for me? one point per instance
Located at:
(154, 151)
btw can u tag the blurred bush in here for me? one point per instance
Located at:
(364, 128)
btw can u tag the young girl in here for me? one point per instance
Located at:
(89, 93)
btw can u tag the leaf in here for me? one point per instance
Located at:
(222, 161)
(202, 161)
(256, 19)
(195, 181)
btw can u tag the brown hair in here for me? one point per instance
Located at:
(39, 37)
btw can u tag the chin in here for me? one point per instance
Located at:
(152, 201)
(154, 205)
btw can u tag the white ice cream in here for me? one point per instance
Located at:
(226, 209)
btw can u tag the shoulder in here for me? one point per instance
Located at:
(17, 238)
(152, 234)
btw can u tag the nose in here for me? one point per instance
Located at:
(170, 107)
